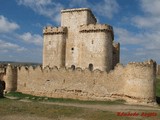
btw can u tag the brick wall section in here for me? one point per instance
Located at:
(135, 82)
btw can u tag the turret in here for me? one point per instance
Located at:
(140, 81)
(11, 78)
(54, 46)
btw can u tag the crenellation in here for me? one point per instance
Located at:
(24, 67)
(115, 84)
(54, 30)
(81, 61)
(55, 68)
(148, 63)
(38, 68)
(95, 28)
(63, 69)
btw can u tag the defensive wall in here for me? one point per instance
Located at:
(2, 71)
(134, 82)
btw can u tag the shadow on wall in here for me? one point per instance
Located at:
(2, 88)
(158, 99)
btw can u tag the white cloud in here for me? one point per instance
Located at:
(124, 48)
(153, 41)
(141, 46)
(144, 42)
(51, 9)
(151, 6)
(146, 21)
(46, 8)
(126, 37)
(79, 3)
(7, 46)
(7, 26)
(151, 17)
(106, 8)
(147, 40)
(29, 38)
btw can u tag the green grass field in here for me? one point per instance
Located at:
(19, 96)
(15, 107)
(34, 107)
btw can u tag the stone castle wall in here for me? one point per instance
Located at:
(116, 54)
(135, 82)
(10, 78)
(97, 48)
(54, 46)
(80, 42)
(73, 18)
(2, 71)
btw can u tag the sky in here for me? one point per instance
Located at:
(136, 25)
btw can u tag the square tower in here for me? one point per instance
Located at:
(73, 18)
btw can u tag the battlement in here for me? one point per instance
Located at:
(89, 28)
(144, 64)
(85, 60)
(148, 63)
(124, 82)
(54, 30)
(79, 10)
(2, 69)
(95, 28)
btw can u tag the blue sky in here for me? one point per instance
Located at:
(136, 25)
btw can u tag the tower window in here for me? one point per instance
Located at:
(92, 42)
(73, 67)
(72, 48)
(90, 67)
(49, 42)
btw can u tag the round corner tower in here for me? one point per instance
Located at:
(97, 48)
(11, 78)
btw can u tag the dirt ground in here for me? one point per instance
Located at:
(112, 108)
(102, 107)
(29, 117)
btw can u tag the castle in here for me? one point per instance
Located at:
(80, 61)
(80, 42)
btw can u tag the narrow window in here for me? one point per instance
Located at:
(72, 48)
(49, 42)
(73, 67)
(90, 67)
(92, 42)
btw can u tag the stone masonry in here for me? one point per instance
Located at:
(78, 62)
(80, 42)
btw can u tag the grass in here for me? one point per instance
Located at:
(10, 107)
(19, 95)
(15, 107)
(36, 108)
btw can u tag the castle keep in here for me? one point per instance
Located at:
(80, 42)
(78, 62)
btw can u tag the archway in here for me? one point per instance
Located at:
(90, 67)
(73, 67)
(2, 88)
